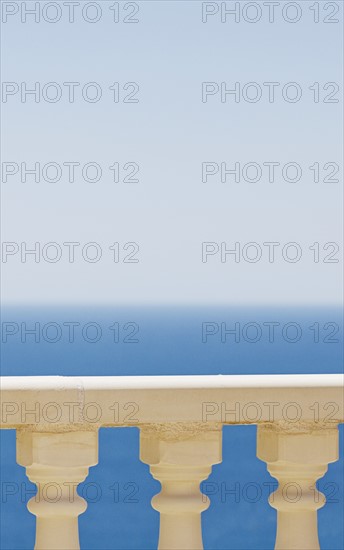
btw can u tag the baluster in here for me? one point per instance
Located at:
(180, 459)
(297, 459)
(57, 463)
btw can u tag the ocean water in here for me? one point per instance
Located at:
(150, 341)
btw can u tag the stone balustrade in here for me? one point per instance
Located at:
(180, 420)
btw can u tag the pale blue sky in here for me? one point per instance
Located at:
(169, 133)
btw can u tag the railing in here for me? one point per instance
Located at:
(180, 420)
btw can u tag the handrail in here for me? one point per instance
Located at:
(168, 399)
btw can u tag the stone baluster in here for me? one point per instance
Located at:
(297, 458)
(57, 463)
(180, 458)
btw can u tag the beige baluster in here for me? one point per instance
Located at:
(180, 459)
(57, 463)
(297, 458)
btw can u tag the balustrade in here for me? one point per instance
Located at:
(180, 420)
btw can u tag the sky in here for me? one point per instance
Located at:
(133, 134)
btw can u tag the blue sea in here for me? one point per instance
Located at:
(157, 341)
